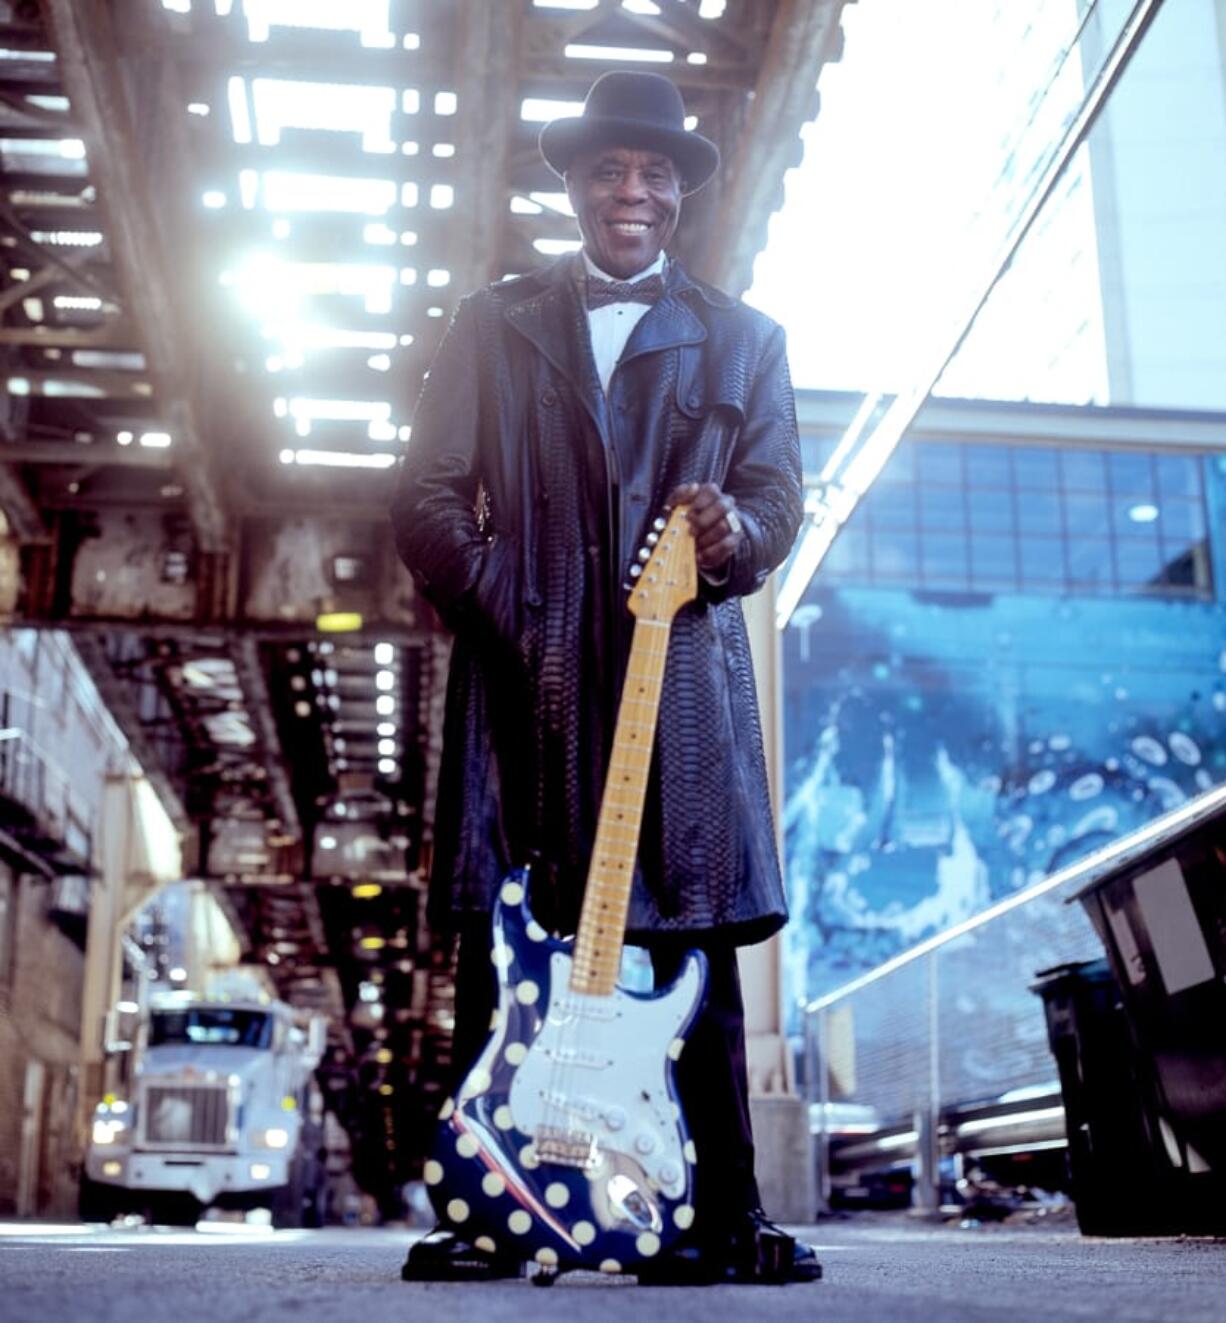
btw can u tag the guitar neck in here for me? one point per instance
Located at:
(606, 900)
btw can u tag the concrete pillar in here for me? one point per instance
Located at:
(787, 1176)
(138, 852)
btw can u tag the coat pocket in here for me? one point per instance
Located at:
(497, 592)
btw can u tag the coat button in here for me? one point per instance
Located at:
(694, 401)
(549, 397)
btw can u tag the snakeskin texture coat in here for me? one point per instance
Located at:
(522, 499)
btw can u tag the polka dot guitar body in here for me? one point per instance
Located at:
(566, 1144)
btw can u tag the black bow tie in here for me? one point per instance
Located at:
(600, 293)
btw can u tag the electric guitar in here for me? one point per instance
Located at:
(565, 1144)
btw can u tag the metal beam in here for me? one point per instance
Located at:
(94, 455)
(21, 512)
(487, 82)
(113, 693)
(39, 336)
(89, 63)
(805, 36)
(250, 673)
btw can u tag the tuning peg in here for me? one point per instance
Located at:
(660, 525)
(644, 555)
(652, 539)
(635, 571)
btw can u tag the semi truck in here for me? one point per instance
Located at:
(221, 1110)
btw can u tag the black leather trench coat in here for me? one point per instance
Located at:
(523, 496)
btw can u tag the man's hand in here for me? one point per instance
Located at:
(713, 521)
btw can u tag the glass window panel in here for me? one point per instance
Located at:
(1131, 474)
(1089, 563)
(943, 561)
(1036, 467)
(1137, 561)
(939, 462)
(891, 507)
(1086, 515)
(1083, 470)
(988, 466)
(895, 557)
(942, 507)
(1178, 475)
(900, 467)
(993, 560)
(1039, 512)
(1181, 519)
(1133, 516)
(991, 510)
(848, 556)
(1042, 560)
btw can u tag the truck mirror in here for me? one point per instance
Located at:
(118, 1031)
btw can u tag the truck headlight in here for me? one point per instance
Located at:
(107, 1130)
(274, 1137)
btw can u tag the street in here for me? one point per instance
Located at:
(877, 1268)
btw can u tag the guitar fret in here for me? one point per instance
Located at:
(601, 935)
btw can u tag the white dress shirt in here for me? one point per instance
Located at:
(611, 325)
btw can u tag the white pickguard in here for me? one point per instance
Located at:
(598, 1066)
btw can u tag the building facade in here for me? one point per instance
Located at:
(56, 744)
(1013, 653)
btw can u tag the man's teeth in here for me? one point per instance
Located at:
(631, 227)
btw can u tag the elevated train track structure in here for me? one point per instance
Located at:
(231, 235)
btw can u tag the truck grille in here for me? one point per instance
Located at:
(186, 1114)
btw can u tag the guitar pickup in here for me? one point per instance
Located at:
(566, 1148)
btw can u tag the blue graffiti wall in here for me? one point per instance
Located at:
(946, 748)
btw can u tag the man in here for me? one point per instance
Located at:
(564, 412)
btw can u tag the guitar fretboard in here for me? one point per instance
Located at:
(606, 901)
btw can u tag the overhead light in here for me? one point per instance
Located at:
(372, 943)
(385, 728)
(366, 890)
(385, 705)
(385, 679)
(1143, 513)
(387, 748)
(327, 842)
(385, 654)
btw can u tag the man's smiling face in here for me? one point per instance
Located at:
(628, 202)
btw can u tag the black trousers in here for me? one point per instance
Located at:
(712, 1077)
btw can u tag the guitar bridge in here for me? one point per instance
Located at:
(566, 1148)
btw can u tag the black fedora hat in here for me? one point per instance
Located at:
(626, 108)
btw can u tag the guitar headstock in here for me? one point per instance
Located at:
(665, 574)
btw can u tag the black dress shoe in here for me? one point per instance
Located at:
(442, 1256)
(755, 1252)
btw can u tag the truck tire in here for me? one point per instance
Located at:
(174, 1210)
(97, 1202)
(287, 1201)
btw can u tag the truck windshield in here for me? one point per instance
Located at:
(214, 1025)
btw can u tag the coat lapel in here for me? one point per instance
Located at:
(670, 323)
(555, 321)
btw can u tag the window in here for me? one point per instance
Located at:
(948, 516)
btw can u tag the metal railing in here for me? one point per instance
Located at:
(943, 1049)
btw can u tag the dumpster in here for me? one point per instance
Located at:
(1119, 1179)
(1162, 919)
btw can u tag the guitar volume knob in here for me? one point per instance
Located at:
(644, 1142)
(615, 1118)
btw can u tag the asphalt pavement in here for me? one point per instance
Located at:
(893, 1269)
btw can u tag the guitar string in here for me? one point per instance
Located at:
(573, 1031)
